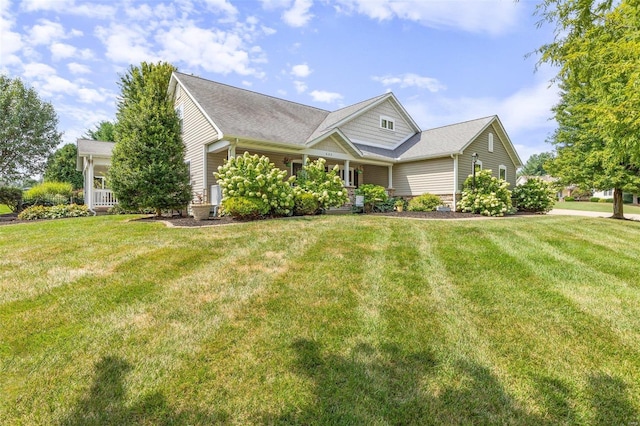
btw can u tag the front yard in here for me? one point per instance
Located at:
(595, 207)
(321, 320)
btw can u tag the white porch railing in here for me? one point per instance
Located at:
(104, 198)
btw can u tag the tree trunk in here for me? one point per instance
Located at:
(635, 198)
(159, 210)
(617, 204)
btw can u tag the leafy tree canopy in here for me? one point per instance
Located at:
(148, 167)
(28, 130)
(597, 50)
(535, 165)
(61, 167)
(104, 131)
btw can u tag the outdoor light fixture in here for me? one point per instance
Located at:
(474, 160)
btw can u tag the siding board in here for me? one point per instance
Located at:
(366, 128)
(417, 177)
(490, 160)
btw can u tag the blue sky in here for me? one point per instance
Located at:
(446, 61)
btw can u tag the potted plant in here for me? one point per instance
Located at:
(199, 209)
(399, 204)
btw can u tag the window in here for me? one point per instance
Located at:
(179, 114)
(387, 123)
(502, 172)
(490, 142)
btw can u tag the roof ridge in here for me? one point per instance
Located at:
(251, 91)
(461, 122)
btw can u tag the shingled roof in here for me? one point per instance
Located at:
(242, 113)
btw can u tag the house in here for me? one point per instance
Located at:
(375, 141)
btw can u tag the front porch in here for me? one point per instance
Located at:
(357, 173)
(94, 159)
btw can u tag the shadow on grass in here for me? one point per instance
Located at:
(105, 403)
(387, 385)
(610, 401)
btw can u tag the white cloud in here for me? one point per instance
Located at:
(489, 16)
(76, 68)
(298, 15)
(301, 71)
(326, 97)
(11, 41)
(213, 50)
(38, 71)
(275, 4)
(411, 80)
(46, 32)
(62, 51)
(125, 43)
(300, 86)
(222, 6)
(69, 6)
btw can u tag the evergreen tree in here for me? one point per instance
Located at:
(148, 167)
(104, 131)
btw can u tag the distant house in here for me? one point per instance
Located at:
(375, 141)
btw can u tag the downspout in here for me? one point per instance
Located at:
(455, 179)
(90, 186)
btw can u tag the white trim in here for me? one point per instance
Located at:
(502, 167)
(387, 123)
(183, 88)
(217, 146)
(517, 162)
(455, 180)
(329, 134)
(490, 147)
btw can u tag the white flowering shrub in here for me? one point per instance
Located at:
(535, 195)
(325, 186)
(490, 198)
(256, 177)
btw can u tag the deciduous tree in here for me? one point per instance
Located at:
(597, 50)
(28, 130)
(61, 167)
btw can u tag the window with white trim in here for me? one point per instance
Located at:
(387, 123)
(502, 172)
(490, 147)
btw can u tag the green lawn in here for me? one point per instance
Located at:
(594, 207)
(323, 320)
(4, 209)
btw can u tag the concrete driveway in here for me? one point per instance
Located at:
(591, 214)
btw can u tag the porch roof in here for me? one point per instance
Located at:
(87, 147)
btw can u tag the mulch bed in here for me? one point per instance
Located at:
(181, 221)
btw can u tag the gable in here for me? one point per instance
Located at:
(366, 129)
(329, 145)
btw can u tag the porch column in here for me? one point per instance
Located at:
(231, 151)
(90, 174)
(305, 157)
(346, 173)
(390, 173)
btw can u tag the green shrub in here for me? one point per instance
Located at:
(245, 208)
(305, 204)
(605, 200)
(118, 209)
(253, 177)
(48, 189)
(535, 195)
(373, 195)
(326, 187)
(424, 203)
(54, 212)
(594, 199)
(569, 199)
(490, 198)
(12, 197)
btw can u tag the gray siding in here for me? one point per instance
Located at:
(366, 128)
(417, 177)
(376, 175)
(198, 131)
(328, 145)
(490, 160)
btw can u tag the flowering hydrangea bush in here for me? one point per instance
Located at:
(373, 194)
(535, 195)
(256, 177)
(490, 198)
(326, 187)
